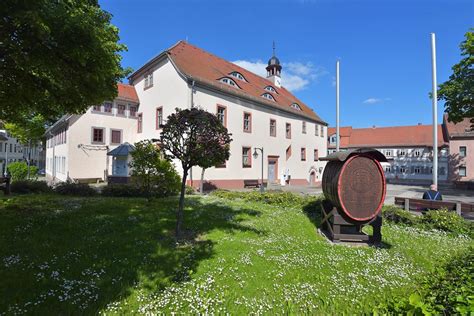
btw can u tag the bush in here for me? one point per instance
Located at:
(77, 189)
(447, 221)
(274, 198)
(448, 290)
(399, 216)
(30, 186)
(19, 171)
(190, 190)
(122, 190)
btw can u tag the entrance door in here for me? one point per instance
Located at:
(312, 178)
(272, 170)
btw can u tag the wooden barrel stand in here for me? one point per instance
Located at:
(354, 186)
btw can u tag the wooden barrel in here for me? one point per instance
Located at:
(356, 187)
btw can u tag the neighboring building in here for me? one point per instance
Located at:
(258, 112)
(11, 150)
(77, 145)
(409, 150)
(461, 150)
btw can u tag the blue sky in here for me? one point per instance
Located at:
(383, 46)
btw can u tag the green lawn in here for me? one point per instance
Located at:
(66, 255)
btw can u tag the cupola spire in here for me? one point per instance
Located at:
(274, 69)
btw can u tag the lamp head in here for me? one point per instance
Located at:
(255, 154)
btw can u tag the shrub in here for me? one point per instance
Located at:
(448, 290)
(274, 198)
(77, 189)
(446, 220)
(29, 186)
(122, 190)
(19, 171)
(190, 190)
(399, 216)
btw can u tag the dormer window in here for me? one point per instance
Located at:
(296, 106)
(238, 75)
(271, 89)
(268, 96)
(229, 82)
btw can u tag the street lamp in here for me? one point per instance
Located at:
(255, 156)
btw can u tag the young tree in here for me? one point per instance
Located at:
(194, 136)
(56, 57)
(152, 173)
(458, 91)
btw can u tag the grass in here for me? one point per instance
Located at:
(71, 255)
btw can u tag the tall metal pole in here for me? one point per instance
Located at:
(337, 105)
(262, 188)
(435, 110)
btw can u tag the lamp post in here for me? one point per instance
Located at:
(255, 156)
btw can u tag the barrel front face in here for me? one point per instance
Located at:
(361, 188)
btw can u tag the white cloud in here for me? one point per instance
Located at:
(375, 100)
(295, 76)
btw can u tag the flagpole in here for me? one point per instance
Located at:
(435, 110)
(337, 106)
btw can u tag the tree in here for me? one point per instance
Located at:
(193, 136)
(56, 57)
(152, 173)
(458, 91)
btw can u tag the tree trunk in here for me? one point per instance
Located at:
(201, 185)
(179, 213)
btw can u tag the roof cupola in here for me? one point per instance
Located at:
(274, 69)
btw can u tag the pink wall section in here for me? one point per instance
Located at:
(456, 161)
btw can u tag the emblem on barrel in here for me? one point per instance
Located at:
(354, 187)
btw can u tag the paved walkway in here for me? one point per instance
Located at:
(393, 190)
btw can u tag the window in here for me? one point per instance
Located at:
(246, 157)
(296, 106)
(271, 89)
(159, 117)
(108, 107)
(133, 111)
(303, 154)
(221, 114)
(462, 151)
(229, 82)
(140, 123)
(98, 135)
(303, 127)
(462, 171)
(237, 75)
(332, 140)
(247, 122)
(121, 109)
(403, 169)
(116, 136)
(417, 169)
(316, 155)
(268, 96)
(322, 131)
(417, 153)
(273, 127)
(402, 152)
(148, 80)
(388, 153)
(96, 108)
(288, 152)
(388, 169)
(316, 130)
(288, 130)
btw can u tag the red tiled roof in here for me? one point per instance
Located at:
(207, 68)
(127, 92)
(461, 129)
(417, 135)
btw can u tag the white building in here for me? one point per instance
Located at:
(259, 112)
(11, 150)
(408, 149)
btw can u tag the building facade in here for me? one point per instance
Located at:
(258, 112)
(408, 149)
(11, 150)
(461, 150)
